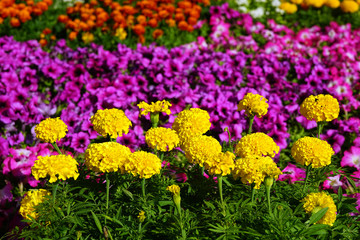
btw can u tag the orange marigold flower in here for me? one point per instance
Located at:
(171, 22)
(192, 21)
(139, 29)
(24, 16)
(190, 28)
(46, 31)
(163, 14)
(42, 42)
(152, 23)
(73, 35)
(182, 25)
(142, 39)
(14, 22)
(184, 4)
(63, 18)
(179, 17)
(141, 19)
(157, 33)
(43, 6)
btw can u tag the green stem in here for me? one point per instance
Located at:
(220, 178)
(251, 123)
(307, 172)
(268, 184)
(253, 192)
(54, 190)
(229, 135)
(143, 187)
(107, 194)
(202, 170)
(56, 147)
(319, 129)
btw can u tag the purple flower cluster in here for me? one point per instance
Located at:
(240, 56)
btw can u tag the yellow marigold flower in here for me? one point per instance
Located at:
(51, 130)
(174, 189)
(201, 149)
(332, 3)
(349, 6)
(141, 216)
(221, 165)
(311, 150)
(253, 104)
(56, 166)
(159, 106)
(298, 2)
(258, 144)
(320, 108)
(315, 3)
(120, 33)
(191, 123)
(106, 157)
(87, 37)
(289, 8)
(314, 202)
(32, 198)
(254, 169)
(111, 121)
(143, 164)
(162, 139)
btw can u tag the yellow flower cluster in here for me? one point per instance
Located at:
(56, 166)
(311, 150)
(222, 164)
(111, 121)
(162, 139)
(191, 123)
(258, 144)
(254, 169)
(143, 164)
(32, 198)
(159, 106)
(314, 202)
(174, 189)
(288, 7)
(201, 149)
(320, 108)
(51, 130)
(106, 157)
(254, 104)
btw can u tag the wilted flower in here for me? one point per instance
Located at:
(106, 157)
(258, 144)
(310, 150)
(314, 202)
(111, 122)
(55, 166)
(254, 169)
(32, 198)
(143, 164)
(320, 108)
(253, 104)
(162, 139)
(51, 130)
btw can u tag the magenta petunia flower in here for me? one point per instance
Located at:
(292, 173)
(351, 158)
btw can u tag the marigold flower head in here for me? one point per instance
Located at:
(141, 216)
(159, 106)
(349, 6)
(174, 189)
(162, 139)
(222, 164)
(143, 164)
(332, 3)
(254, 169)
(289, 8)
(258, 144)
(314, 202)
(320, 108)
(106, 157)
(51, 130)
(254, 104)
(111, 121)
(311, 150)
(201, 149)
(191, 123)
(120, 33)
(55, 166)
(32, 198)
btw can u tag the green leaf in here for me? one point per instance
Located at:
(165, 203)
(317, 229)
(317, 216)
(97, 222)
